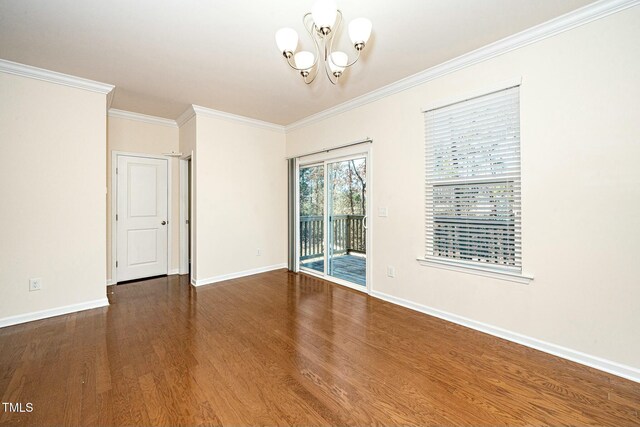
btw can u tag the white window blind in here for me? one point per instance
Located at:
(473, 182)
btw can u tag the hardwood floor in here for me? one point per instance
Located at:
(352, 268)
(280, 348)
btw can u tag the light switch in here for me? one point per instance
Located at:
(391, 271)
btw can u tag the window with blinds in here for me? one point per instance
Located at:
(473, 182)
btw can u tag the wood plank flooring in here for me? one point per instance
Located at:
(352, 268)
(286, 349)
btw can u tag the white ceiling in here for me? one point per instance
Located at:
(163, 55)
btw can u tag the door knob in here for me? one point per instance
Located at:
(164, 223)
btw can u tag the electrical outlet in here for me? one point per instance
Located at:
(35, 284)
(391, 271)
(258, 252)
(383, 212)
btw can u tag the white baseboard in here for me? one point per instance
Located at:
(109, 282)
(52, 312)
(609, 366)
(230, 276)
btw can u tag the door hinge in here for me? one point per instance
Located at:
(116, 264)
(116, 171)
(186, 221)
(116, 217)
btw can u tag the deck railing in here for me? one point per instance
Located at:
(348, 235)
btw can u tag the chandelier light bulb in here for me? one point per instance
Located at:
(324, 14)
(304, 60)
(287, 41)
(338, 62)
(359, 32)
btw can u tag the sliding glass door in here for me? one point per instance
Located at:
(333, 219)
(347, 256)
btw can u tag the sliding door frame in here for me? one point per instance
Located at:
(349, 153)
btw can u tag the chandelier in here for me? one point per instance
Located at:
(322, 24)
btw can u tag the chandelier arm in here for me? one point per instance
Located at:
(304, 23)
(312, 78)
(296, 68)
(328, 50)
(329, 76)
(310, 31)
(313, 38)
(354, 61)
(331, 44)
(327, 55)
(292, 65)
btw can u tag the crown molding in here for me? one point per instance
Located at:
(110, 99)
(186, 116)
(129, 115)
(197, 110)
(216, 114)
(54, 77)
(576, 18)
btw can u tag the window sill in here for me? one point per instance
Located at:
(478, 271)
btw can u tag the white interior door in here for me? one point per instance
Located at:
(141, 219)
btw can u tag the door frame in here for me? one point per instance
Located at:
(114, 207)
(337, 155)
(185, 237)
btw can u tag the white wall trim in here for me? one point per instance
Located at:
(110, 282)
(173, 271)
(196, 110)
(478, 271)
(130, 115)
(23, 70)
(230, 276)
(216, 114)
(601, 364)
(187, 115)
(110, 96)
(576, 18)
(485, 90)
(52, 312)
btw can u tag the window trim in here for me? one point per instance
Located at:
(486, 90)
(476, 270)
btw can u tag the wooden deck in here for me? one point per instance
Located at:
(352, 268)
(280, 348)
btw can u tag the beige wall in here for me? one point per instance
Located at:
(581, 190)
(52, 170)
(145, 138)
(241, 204)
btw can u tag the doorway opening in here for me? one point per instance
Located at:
(186, 215)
